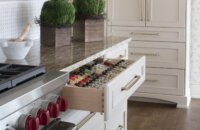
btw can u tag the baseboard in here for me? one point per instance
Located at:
(195, 91)
(149, 100)
(180, 101)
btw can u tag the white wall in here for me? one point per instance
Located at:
(15, 14)
(195, 50)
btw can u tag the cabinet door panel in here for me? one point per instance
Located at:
(163, 81)
(165, 13)
(158, 54)
(126, 12)
(150, 34)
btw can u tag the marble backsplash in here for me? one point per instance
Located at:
(15, 14)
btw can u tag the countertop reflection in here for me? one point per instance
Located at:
(60, 57)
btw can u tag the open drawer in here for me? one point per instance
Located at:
(111, 94)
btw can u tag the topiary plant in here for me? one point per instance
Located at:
(57, 13)
(87, 8)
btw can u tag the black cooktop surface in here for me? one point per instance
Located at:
(11, 74)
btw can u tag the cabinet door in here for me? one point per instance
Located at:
(164, 81)
(165, 13)
(126, 12)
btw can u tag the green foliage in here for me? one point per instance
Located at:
(102, 4)
(57, 13)
(89, 7)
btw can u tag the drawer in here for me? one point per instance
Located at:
(150, 34)
(93, 121)
(120, 52)
(106, 98)
(119, 119)
(167, 55)
(163, 81)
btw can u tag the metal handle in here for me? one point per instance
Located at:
(141, 10)
(131, 83)
(135, 33)
(84, 121)
(149, 9)
(120, 127)
(151, 80)
(147, 54)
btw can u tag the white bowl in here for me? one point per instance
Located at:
(16, 50)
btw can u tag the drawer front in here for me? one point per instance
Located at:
(92, 122)
(163, 81)
(150, 34)
(123, 86)
(167, 55)
(121, 52)
(113, 93)
(119, 119)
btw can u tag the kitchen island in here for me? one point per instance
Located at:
(104, 108)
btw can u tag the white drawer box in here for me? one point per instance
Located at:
(163, 81)
(149, 34)
(107, 98)
(166, 55)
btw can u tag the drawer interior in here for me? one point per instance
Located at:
(89, 87)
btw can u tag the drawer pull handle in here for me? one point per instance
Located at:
(120, 127)
(151, 80)
(84, 121)
(131, 83)
(148, 34)
(147, 54)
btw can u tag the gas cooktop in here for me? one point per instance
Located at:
(12, 74)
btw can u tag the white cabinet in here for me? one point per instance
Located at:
(149, 34)
(165, 13)
(126, 12)
(108, 100)
(159, 30)
(159, 54)
(119, 119)
(94, 121)
(150, 13)
(163, 81)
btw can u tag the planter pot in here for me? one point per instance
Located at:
(53, 36)
(89, 30)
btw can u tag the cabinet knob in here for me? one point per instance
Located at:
(53, 108)
(63, 104)
(28, 122)
(43, 115)
(120, 127)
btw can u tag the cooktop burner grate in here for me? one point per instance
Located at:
(11, 75)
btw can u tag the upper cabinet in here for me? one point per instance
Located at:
(165, 13)
(126, 12)
(150, 13)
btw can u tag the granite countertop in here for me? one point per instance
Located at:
(61, 57)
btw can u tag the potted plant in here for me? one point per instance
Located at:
(56, 19)
(89, 23)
